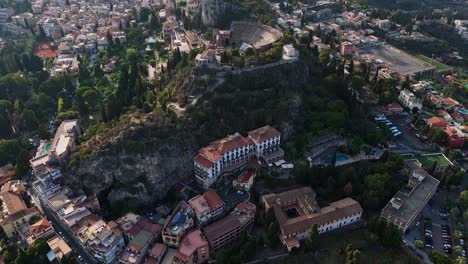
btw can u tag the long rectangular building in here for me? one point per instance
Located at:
(407, 203)
(234, 152)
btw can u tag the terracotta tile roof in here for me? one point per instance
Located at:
(436, 122)
(158, 249)
(451, 102)
(442, 112)
(245, 176)
(339, 209)
(216, 149)
(40, 226)
(264, 133)
(213, 199)
(309, 215)
(203, 161)
(13, 202)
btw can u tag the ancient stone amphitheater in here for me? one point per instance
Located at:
(258, 35)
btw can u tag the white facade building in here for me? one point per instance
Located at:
(409, 100)
(234, 152)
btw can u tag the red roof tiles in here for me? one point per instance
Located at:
(436, 122)
(40, 226)
(213, 199)
(245, 176)
(203, 161)
(216, 149)
(264, 133)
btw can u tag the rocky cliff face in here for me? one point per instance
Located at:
(211, 11)
(134, 163)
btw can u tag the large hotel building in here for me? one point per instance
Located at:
(232, 153)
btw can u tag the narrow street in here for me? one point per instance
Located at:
(74, 245)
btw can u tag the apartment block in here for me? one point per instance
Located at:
(407, 203)
(179, 223)
(226, 232)
(409, 100)
(193, 249)
(207, 207)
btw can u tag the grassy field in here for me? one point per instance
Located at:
(439, 66)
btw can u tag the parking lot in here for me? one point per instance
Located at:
(432, 226)
(408, 141)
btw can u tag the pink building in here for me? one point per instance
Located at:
(347, 48)
(193, 249)
(207, 206)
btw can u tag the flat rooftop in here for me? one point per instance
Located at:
(428, 160)
(412, 201)
(63, 136)
(397, 59)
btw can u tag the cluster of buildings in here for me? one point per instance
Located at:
(193, 233)
(451, 116)
(78, 28)
(26, 223)
(197, 230)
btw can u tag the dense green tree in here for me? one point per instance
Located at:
(324, 57)
(14, 85)
(222, 257)
(312, 240)
(135, 37)
(437, 135)
(439, 258)
(419, 243)
(22, 257)
(154, 22)
(29, 120)
(464, 199)
(144, 14)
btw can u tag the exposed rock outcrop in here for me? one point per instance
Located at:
(211, 11)
(135, 162)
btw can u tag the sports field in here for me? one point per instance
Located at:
(399, 60)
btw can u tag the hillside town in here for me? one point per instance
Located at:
(286, 132)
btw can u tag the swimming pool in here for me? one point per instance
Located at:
(47, 147)
(339, 158)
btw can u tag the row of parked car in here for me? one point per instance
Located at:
(427, 225)
(383, 119)
(447, 239)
